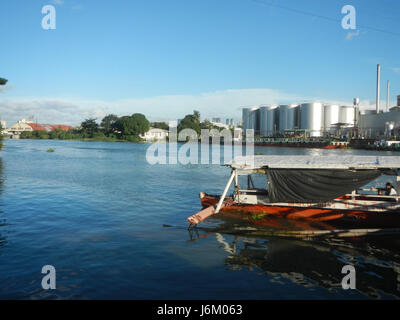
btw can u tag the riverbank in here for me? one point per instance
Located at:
(98, 139)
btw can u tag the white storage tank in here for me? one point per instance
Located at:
(283, 117)
(293, 117)
(311, 115)
(272, 120)
(331, 116)
(254, 120)
(264, 120)
(250, 119)
(245, 119)
(346, 116)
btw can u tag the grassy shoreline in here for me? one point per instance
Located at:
(88, 140)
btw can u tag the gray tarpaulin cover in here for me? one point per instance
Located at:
(315, 185)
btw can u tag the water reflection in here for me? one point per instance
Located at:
(3, 240)
(319, 263)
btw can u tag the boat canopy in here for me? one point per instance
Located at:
(315, 185)
(315, 179)
(315, 162)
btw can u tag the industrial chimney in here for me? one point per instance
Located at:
(387, 96)
(398, 101)
(378, 78)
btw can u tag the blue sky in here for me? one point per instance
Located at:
(165, 58)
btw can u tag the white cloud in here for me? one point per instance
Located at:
(350, 35)
(397, 70)
(223, 104)
(59, 2)
(5, 88)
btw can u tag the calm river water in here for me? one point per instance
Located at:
(97, 212)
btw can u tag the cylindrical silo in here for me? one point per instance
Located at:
(293, 117)
(283, 117)
(346, 116)
(245, 119)
(272, 120)
(264, 121)
(311, 118)
(331, 116)
(254, 119)
(255, 116)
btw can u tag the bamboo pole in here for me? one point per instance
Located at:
(221, 200)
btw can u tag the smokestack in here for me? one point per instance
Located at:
(378, 78)
(387, 96)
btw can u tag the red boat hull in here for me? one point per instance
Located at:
(301, 218)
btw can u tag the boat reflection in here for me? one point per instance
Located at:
(319, 264)
(316, 263)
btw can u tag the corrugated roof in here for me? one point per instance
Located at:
(49, 127)
(316, 162)
(36, 126)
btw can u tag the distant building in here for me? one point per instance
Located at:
(216, 120)
(374, 125)
(155, 134)
(20, 127)
(3, 126)
(220, 125)
(26, 125)
(237, 134)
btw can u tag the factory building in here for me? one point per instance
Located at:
(315, 119)
(312, 119)
(383, 124)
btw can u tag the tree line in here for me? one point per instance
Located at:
(114, 128)
(111, 127)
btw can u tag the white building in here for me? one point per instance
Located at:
(20, 126)
(220, 125)
(373, 125)
(155, 134)
(237, 134)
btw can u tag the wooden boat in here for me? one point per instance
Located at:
(308, 193)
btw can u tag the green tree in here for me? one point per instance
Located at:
(160, 125)
(191, 121)
(132, 125)
(89, 127)
(55, 133)
(196, 115)
(108, 122)
(40, 134)
(26, 135)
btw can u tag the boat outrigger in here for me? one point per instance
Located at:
(306, 193)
